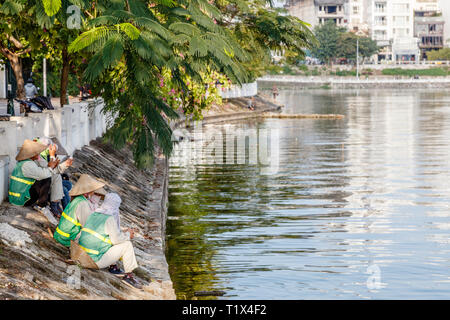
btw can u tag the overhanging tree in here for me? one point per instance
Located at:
(133, 42)
(20, 34)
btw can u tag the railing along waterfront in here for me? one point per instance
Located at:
(73, 125)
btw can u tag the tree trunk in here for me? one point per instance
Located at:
(64, 77)
(16, 65)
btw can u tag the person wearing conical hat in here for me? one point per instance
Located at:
(104, 242)
(29, 183)
(78, 210)
(59, 189)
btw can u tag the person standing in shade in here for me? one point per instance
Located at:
(274, 92)
(78, 211)
(105, 244)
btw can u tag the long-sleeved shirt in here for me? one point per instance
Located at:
(82, 212)
(58, 169)
(31, 169)
(30, 90)
(114, 233)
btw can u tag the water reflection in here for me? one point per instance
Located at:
(370, 190)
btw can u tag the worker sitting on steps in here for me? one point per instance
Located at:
(78, 210)
(29, 183)
(59, 188)
(105, 244)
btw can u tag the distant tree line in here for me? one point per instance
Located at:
(335, 42)
(442, 54)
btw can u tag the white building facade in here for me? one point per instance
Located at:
(391, 23)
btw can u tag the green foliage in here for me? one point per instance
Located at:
(51, 6)
(344, 73)
(327, 35)
(260, 29)
(413, 72)
(335, 42)
(130, 58)
(132, 45)
(199, 97)
(54, 83)
(347, 45)
(442, 54)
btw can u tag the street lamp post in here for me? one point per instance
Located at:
(44, 78)
(357, 58)
(10, 94)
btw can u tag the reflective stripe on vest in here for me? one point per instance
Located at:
(97, 235)
(69, 227)
(71, 220)
(22, 180)
(19, 185)
(94, 237)
(62, 233)
(89, 250)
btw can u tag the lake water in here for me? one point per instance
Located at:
(353, 209)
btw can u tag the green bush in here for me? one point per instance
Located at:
(303, 68)
(315, 72)
(54, 84)
(345, 73)
(436, 72)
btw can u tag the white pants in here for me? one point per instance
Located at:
(125, 251)
(56, 188)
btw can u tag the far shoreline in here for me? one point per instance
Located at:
(371, 82)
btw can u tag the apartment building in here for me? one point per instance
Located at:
(391, 24)
(331, 10)
(357, 16)
(429, 25)
(317, 12)
(403, 29)
(303, 9)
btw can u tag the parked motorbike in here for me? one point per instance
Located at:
(43, 102)
(29, 106)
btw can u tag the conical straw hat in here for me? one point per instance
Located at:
(86, 184)
(30, 149)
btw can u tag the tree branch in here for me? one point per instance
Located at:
(6, 52)
(15, 42)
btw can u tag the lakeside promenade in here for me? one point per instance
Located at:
(316, 82)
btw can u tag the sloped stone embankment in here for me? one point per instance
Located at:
(32, 264)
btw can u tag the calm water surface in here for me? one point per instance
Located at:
(358, 209)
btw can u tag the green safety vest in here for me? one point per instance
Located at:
(93, 238)
(19, 185)
(69, 226)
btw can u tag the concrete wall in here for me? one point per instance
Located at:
(2, 82)
(74, 125)
(247, 90)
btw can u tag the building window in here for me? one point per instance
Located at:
(355, 10)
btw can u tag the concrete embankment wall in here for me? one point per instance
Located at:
(74, 125)
(298, 82)
(32, 264)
